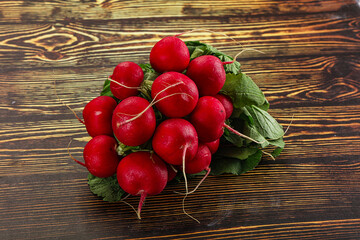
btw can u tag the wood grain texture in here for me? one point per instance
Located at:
(108, 43)
(267, 199)
(310, 73)
(62, 10)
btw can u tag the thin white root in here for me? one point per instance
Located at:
(59, 99)
(292, 118)
(122, 85)
(77, 161)
(187, 214)
(183, 169)
(154, 101)
(173, 168)
(201, 181)
(225, 35)
(246, 49)
(287, 128)
(197, 186)
(137, 214)
(269, 154)
(207, 30)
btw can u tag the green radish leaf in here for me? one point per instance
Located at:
(243, 91)
(235, 166)
(265, 124)
(106, 188)
(235, 152)
(106, 90)
(277, 142)
(276, 152)
(149, 73)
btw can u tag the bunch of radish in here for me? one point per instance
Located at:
(175, 125)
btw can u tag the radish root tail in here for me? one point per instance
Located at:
(187, 214)
(201, 181)
(183, 170)
(141, 202)
(241, 135)
(239, 53)
(77, 161)
(77, 117)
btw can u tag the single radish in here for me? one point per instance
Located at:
(213, 146)
(227, 103)
(142, 174)
(97, 116)
(170, 54)
(175, 140)
(208, 119)
(200, 162)
(126, 80)
(208, 73)
(100, 156)
(140, 129)
(176, 101)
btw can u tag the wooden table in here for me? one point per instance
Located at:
(310, 69)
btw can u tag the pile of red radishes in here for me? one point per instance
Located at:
(147, 131)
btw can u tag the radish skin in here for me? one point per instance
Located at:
(172, 138)
(100, 156)
(97, 116)
(227, 104)
(142, 174)
(208, 73)
(170, 54)
(179, 105)
(136, 131)
(126, 79)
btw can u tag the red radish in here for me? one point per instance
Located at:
(176, 101)
(126, 80)
(97, 116)
(200, 162)
(208, 73)
(227, 103)
(213, 146)
(175, 139)
(140, 129)
(208, 119)
(100, 156)
(169, 54)
(142, 173)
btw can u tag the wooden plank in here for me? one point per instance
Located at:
(108, 43)
(52, 11)
(329, 229)
(320, 81)
(292, 197)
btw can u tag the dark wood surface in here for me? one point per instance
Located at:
(310, 69)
